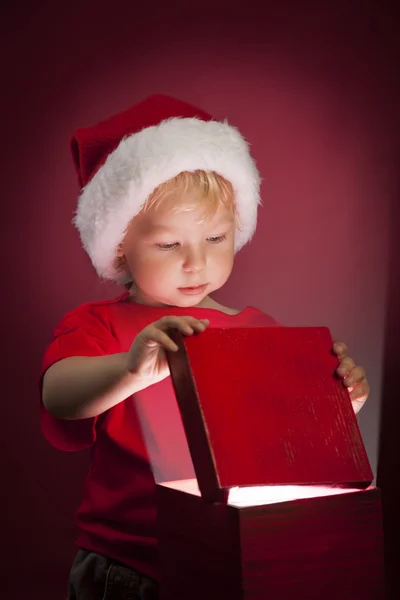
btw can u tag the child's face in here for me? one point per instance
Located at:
(170, 254)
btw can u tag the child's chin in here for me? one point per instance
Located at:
(188, 301)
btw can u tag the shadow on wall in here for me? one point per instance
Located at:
(389, 452)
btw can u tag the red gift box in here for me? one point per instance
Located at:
(282, 505)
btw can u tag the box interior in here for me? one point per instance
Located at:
(244, 497)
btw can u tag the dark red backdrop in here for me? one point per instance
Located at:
(68, 64)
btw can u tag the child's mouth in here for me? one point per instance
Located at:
(193, 291)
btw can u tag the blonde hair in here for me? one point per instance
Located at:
(212, 190)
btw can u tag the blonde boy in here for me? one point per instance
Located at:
(168, 197)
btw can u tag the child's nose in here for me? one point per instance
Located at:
(194, 260)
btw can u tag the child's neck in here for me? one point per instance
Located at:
(209, 302)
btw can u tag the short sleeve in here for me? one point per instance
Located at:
(258, 318)
(79, 333)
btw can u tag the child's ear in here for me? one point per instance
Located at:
(120, 263)
(120, 259)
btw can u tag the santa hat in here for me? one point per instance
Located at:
(122, 160)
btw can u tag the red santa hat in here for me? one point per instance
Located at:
(121, 161)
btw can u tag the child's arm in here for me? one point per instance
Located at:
(80, 387)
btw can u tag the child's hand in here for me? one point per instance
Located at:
(353, 377)
(147, 358)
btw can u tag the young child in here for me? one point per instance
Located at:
(169, 196)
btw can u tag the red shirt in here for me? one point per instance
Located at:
(135, 443)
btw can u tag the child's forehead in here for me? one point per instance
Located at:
(185, 216)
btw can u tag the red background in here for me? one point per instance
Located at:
(314, 89)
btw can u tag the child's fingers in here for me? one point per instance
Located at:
(345, 366)
(340, 349)
(359, 395)
(157, 333)
(154, 337)
(186, 325)
(360, 391)
(355, 376)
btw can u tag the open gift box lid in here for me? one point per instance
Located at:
(263, 406)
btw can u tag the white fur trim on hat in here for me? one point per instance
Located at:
(144, 160)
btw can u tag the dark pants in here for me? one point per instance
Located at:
(95, 577)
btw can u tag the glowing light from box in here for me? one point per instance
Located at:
(256, 496)
(260, 495)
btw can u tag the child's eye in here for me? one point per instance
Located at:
(167, 246)
(217, 239)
